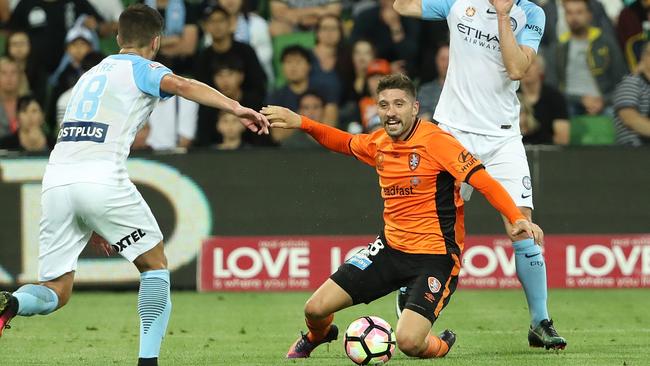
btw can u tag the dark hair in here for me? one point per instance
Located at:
(312, 93)
(24, 102)
(138, 25)
(397, 81)
(228, 63)
(586, 2)
(295, 49)
(215, 8)
(91, 60)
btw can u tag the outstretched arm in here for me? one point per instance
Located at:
(330, 137)
(501, 200)
(203, 94)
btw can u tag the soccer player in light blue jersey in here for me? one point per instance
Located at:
(492, 44)
(86, 189)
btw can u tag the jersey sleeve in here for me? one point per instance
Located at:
(449, 153)
(148, 75)
(360, 148)
(533, 31)
(436, 9)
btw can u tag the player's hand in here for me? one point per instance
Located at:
(503, 7)
(281, 117)
(100, 245)
(538, 234)
(254, 121)
(520, 227)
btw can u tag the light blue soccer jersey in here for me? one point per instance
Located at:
(108, 106)
(478, 96)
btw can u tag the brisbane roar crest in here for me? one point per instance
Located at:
(414, 161)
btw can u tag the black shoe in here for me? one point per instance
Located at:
(545, 335)
(449, 337)
(8, 309)
(302, 347)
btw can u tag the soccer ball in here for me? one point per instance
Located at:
(369, 340)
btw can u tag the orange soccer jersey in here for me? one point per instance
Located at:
(419, 180)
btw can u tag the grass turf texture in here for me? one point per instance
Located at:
(603, 327)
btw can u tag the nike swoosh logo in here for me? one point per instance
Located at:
(530, 256)
(524, 196)
(490, 11)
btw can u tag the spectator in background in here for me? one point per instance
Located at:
(88, 62)
(172, 124)
(395, 38)
(632, 105)
(556, 22)
(47, 23)
(633, 30)
(432, 36)
(228, 78)
(310, 105)
(253, 30)
(9, 94)
(296, 65)
(79, 42)
(5, 12)
(354, 82)
(17, 48)
(231, 131)
(330, 57)
(587, 63)
(429, 93)
(216, 22)
(29, 136)
(288, 16)
(368, 109)
(180, 34)
(547, 107)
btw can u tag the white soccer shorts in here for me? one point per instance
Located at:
(504, 158)
(70, 213)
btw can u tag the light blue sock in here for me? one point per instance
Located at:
(531, 271)
(36, 299)
(154, 307)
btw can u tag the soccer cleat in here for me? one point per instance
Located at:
(302, 348)
(8, 309)
(449, 337)
(400, 301)
(545, 335)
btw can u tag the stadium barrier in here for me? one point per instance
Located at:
(582, 196)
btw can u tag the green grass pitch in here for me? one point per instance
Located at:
(603, 327)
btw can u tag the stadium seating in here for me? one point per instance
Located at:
(305, 39)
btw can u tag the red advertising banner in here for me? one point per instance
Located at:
(304, 262)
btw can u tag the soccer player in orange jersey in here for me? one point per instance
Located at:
(420, 168)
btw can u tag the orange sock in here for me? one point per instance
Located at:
(435, 348)
(318, 328)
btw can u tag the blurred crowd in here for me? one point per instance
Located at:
(590, 83)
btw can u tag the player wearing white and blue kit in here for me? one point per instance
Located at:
(492, 44)
(87, 194)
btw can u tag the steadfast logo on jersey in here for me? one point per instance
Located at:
(129, 240)
(83, 131)
(398, 191)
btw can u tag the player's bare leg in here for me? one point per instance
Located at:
(531, 271)
(319, 314)
(31, 299)
(414, 337)
(154, 302)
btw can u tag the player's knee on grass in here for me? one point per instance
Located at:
(409, 343)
